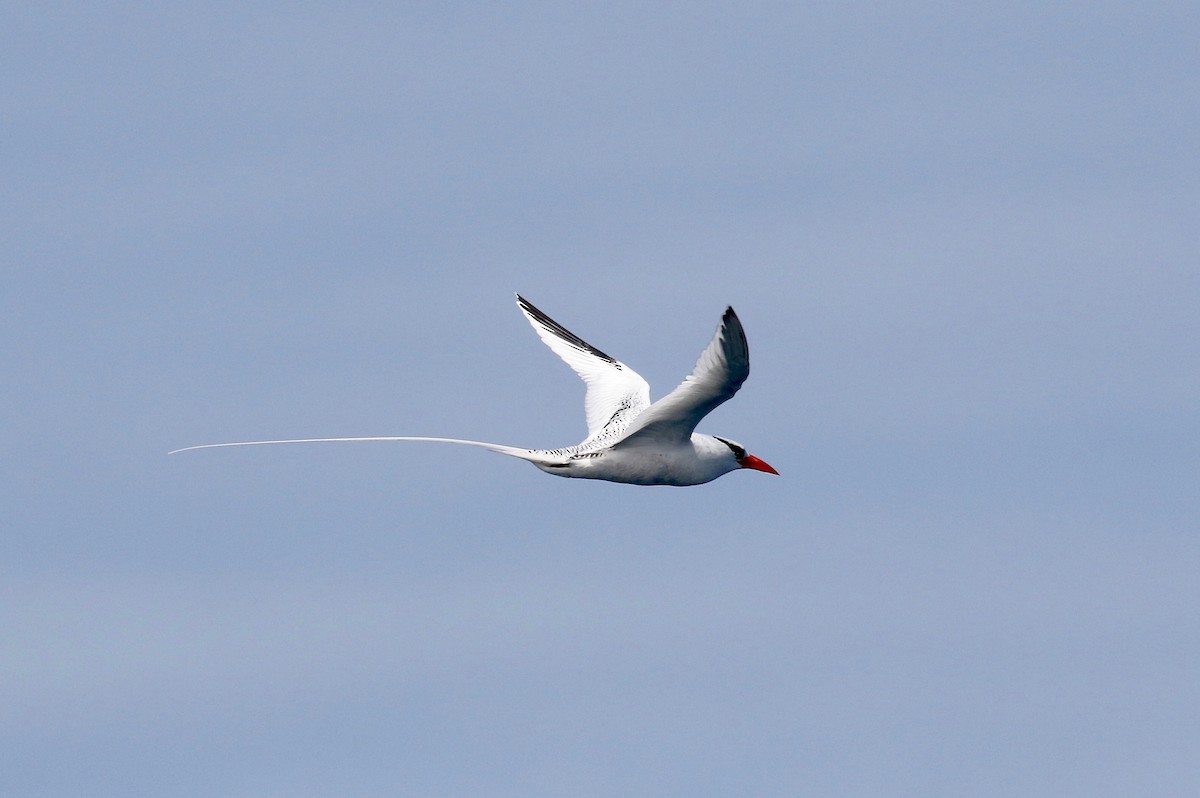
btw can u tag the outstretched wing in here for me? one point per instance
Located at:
(722, 368)
(615, 392)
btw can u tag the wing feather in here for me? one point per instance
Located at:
(721, 369)
(615, 392)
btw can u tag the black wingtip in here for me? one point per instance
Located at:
(733, 325)
(562, 332)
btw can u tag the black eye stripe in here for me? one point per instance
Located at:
(738, 451)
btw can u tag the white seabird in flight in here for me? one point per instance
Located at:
(629, 439)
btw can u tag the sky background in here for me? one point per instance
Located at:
(965, 244)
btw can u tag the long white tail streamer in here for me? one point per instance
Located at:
(512, 451)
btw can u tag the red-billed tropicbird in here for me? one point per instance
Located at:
(629, 439)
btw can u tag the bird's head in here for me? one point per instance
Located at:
(745, 460)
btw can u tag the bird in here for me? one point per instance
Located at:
(630, 440)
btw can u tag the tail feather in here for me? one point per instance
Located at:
(532, 455)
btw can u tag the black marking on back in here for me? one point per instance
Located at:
(562, 332)
(620, 411)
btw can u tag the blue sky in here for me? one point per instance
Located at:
(963, 242)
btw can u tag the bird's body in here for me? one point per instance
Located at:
(700, 459)
(629, 439)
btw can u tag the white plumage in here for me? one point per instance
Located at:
(629, 439)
